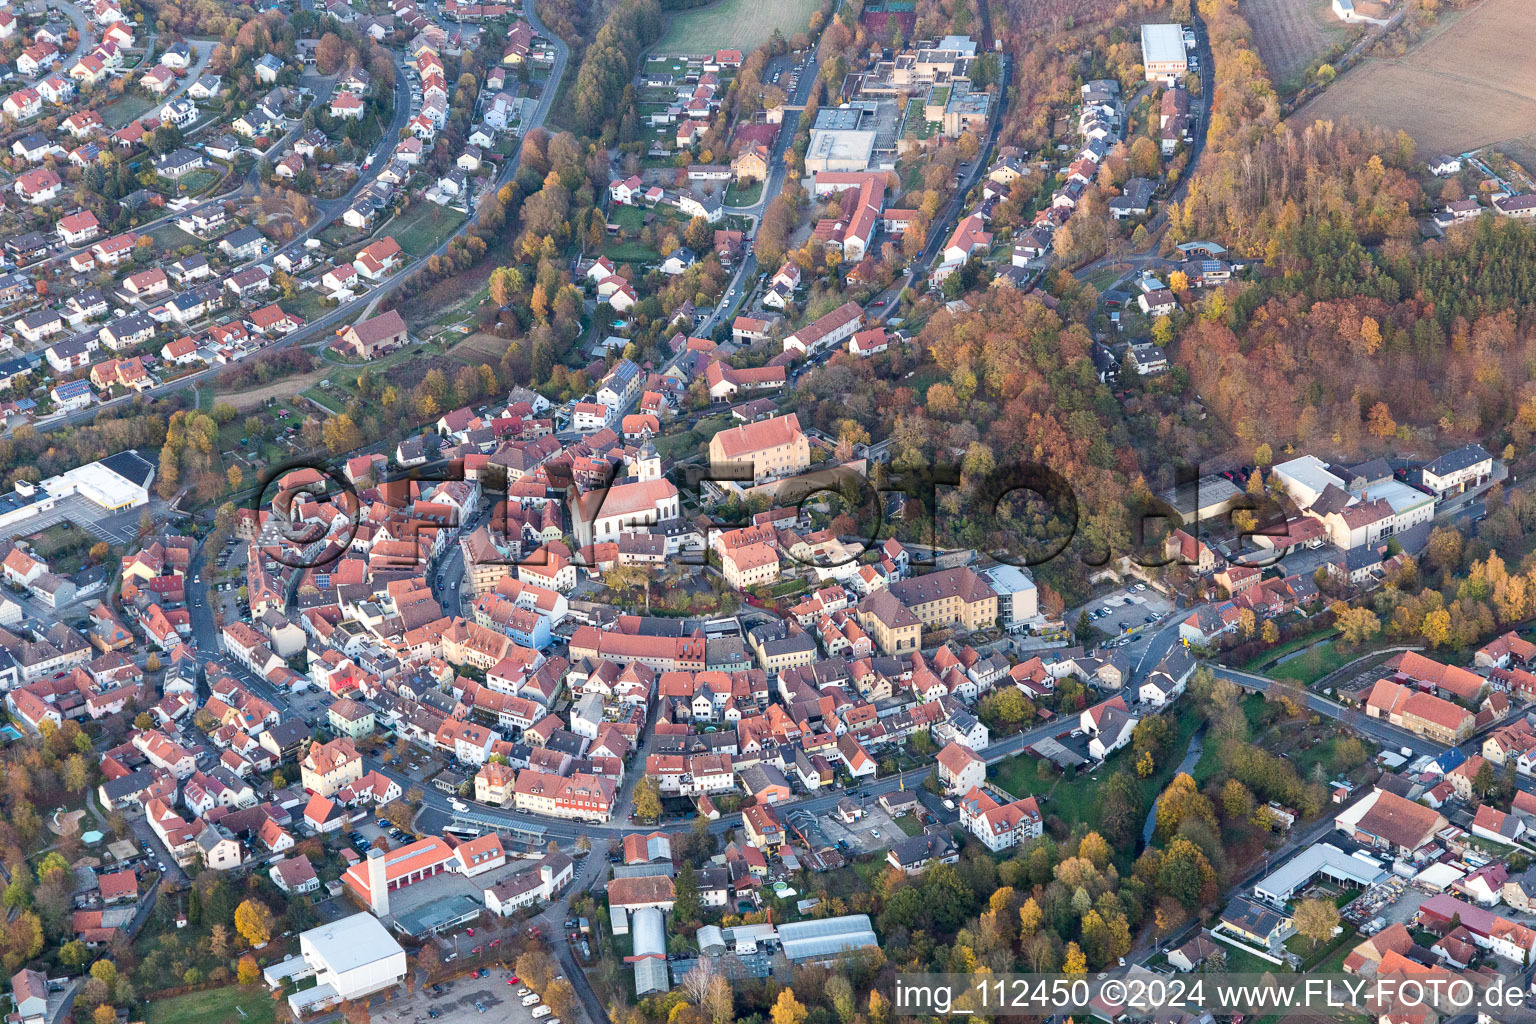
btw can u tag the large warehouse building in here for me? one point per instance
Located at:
(1163, 54)
(353, 957)
(839, 150)
(118, 482)
(823, 941)
(115, 483)
(1354, 870)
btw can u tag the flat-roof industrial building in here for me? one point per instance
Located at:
(1163, 53)
(353, 957)
(115, 483)
(839, 150)
(118, 482)
(1359, 870)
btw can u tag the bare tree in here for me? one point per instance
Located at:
(695, 984)
(720, 1000)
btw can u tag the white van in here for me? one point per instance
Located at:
(530, 999)
(542, 1011)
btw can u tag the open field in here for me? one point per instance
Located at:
(214, 1004)
(734, 25)
(422, 229)
(125, 109)
(169, 237)
(479, 348)
(1470, 85)
(1292, 35)
(254, 398)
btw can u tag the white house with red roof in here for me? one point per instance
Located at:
(477, 856)
(869, 343)
(1000, 825)
(970, 236)
(23, 103)
(38, 186)
(377, 259)
(79, 228)
(322, 815)
(961, 769)
(346, 106)
(626, 191)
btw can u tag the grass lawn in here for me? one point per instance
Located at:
(130, 106)
(1311, 665)
(200, 180)
(169, 237)
(1328, 957)
(323, 398)
(1239, 961)
(1326, 754)
(338, 235)
(1075, 800)
(923, 378)
(64, 546)
(688, 442)
(1102, 278)
(222, 1004)
(734, 24)
(421, 230)
(915, 123)
(738, 196)
(309, 304)
(909, 824)
(631, 252)
(630, 218)
(1280, 650)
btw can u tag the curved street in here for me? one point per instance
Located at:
(321, 328)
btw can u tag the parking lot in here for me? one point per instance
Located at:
(225, 577)
(874, 832)
(461, 1001)
(369, 829)
(419, 765)
(1126, 611)
(311, 707)
(112, 527)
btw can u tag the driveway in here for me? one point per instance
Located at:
(156, 850)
